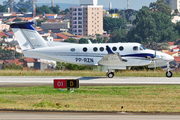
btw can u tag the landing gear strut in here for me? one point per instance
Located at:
(169, 74)
(110, 74)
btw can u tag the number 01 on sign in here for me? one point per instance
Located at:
(66, 83)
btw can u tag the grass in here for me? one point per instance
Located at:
(144, 73)
(159, 98)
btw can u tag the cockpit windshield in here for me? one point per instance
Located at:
(142, 47)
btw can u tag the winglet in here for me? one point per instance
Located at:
(109, 50)
(22, 25)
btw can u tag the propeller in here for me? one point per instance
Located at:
(154, 60)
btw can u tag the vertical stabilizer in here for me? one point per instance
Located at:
(27, 36)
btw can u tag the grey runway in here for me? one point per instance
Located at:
(83, 116)
(84, 81)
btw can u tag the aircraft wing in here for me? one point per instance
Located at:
(111, 59)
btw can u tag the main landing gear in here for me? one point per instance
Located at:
(110, 74)
(169, 74)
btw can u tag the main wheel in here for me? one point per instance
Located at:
(110, 75)
(169, 74)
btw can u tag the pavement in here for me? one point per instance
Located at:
(20, 115)
(22, 81)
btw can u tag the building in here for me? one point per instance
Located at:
(60, 36)
(30, 62)
(4, 27)
(86, 19)
(176, 49)
(171, 45)
(51, 15)
(110, 6)
(174, 54)
(175, 19)
(55, 26)
(174, 4)
(22, 18)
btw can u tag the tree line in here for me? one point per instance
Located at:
(50, 10)
(24, 7)
(152, 25)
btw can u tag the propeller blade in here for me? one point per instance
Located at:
(154, 65)
(154, 59)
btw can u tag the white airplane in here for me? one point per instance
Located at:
(111, 55)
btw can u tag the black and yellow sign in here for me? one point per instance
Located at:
(74, 83)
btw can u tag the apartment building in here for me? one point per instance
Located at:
(174, 4)
(87, 18)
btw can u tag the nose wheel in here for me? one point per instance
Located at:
(169, 74)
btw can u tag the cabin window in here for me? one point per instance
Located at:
(114, 48)
(85, 49)
(72, 49)
(95, 49)
(121, 48)
(101, 49)
(135, 48)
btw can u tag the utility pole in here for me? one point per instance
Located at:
(34, 8)
(12, 5)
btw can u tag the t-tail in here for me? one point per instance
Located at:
(27, 36)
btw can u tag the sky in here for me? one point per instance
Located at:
(119, 4)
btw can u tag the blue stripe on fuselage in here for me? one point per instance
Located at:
(23, 26)
(139, 55)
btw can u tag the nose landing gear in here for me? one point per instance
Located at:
(169, 74)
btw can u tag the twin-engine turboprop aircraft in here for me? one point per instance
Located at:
(111, 55)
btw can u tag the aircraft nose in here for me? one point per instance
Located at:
(171, 58)
(168, 58)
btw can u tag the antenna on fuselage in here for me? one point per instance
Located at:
(89, 42)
